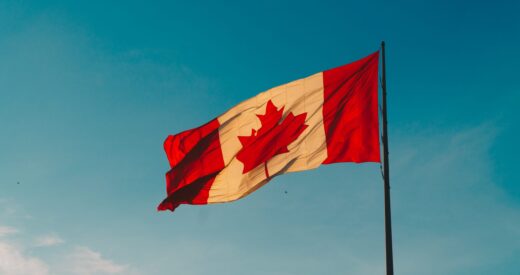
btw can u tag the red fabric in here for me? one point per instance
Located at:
(350, 112)
(195, 158)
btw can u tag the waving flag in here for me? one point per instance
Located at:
(328, 117)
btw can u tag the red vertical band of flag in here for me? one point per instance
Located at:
(195, 158)
(350, 113)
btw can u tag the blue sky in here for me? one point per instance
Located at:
(89, 90)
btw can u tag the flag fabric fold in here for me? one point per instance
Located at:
(328, 117)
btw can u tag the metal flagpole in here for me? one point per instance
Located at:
(386, 175)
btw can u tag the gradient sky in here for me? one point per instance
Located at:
(89, 90)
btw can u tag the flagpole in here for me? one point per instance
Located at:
(386, 175)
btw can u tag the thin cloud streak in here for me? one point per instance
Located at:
(49, 240)
(451, 217)
(86, 261)
(7, 230)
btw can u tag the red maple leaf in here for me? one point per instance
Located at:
(271, 139)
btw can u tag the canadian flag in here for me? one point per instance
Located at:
(328, 117)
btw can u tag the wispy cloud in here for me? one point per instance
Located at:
(48, 240)
(451, 216)
(18, 256)
(13, 261)
(85, 261)
(7, 230)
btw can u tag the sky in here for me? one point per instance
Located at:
(89, 90)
